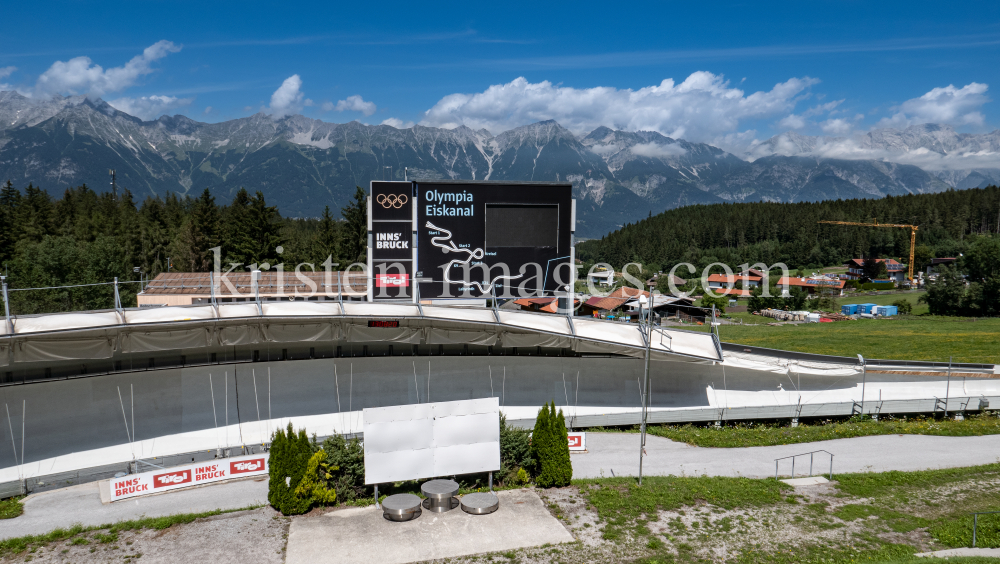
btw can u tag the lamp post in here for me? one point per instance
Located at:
(647, 330)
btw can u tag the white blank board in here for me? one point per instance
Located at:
(409, 442)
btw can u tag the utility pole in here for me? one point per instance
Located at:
(647, 331)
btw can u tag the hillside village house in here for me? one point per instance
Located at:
(897, 270)
(814, 284)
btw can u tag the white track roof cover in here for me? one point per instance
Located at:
(476, 326)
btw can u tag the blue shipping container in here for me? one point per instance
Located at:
(849, 309)
(886, 310)
(867, 308)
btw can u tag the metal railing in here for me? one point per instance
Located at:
(794, 456)
(975, 523)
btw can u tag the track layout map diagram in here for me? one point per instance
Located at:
(446, 245)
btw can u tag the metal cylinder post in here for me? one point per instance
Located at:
(810, 464)
(975, 523)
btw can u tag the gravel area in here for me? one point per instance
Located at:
(256, 536)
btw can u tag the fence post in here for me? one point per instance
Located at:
(775, 469)
(975, 522)
(831, 467)
(811, 463)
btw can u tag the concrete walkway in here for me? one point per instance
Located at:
(618, 454)
(982, 552)
(362, 535)
(46, 511)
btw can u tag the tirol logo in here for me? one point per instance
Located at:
(171, 479)
(391, 200)
(575, 441)
(246, 466)
(392, 280)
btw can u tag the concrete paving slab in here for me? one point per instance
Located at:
(65, 507)
(363, 535)
(987, 552)
(618, 454)
(811, 481)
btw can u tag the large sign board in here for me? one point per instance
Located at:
(470, 239)
(391, 247)
(514, 239)
(163, 480)
(409, 442)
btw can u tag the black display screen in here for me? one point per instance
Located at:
(522, 225)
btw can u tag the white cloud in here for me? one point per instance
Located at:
(287, 99)
(4, 73)
(149, 107)
(327, 106)
(80, 76)
(657, 150)
(837, 126)
(398, 123)
(954, 106)
(353, 104)
(208, 110)
(792, 121)
(700, 108)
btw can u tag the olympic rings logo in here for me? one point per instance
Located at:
(391, 200)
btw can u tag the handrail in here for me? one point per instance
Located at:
(810, 453)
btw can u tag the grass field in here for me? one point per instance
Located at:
(765, 434)
(906, 338)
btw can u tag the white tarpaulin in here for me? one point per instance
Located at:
(364, 334)
(437, 336)
(146, 341)
(238, 335)
(409, 442)
(535, 340)
(79, 349)
(293, 332)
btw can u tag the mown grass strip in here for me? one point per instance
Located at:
(20, 544)
(771, 434)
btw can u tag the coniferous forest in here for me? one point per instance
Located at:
(85, 238)
(949, 222)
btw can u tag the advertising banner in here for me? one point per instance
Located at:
(189, 475)
(577, 441)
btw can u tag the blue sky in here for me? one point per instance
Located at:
(865, 64)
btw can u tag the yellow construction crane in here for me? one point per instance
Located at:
(913, 237)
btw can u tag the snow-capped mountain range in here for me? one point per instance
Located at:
(302, 164)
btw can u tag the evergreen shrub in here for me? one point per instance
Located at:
(550, 448)
(289, 459)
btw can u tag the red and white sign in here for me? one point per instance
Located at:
(187, 476)
(392, 280)
(577, 441)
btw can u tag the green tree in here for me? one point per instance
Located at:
(204, 232)
(982, 260)
(515, 451)
(313, 485)
(354, 243)
(720, 302)
(10, 200)
(289, 459)
(550, 448)
(325, 242)
(945, 295)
